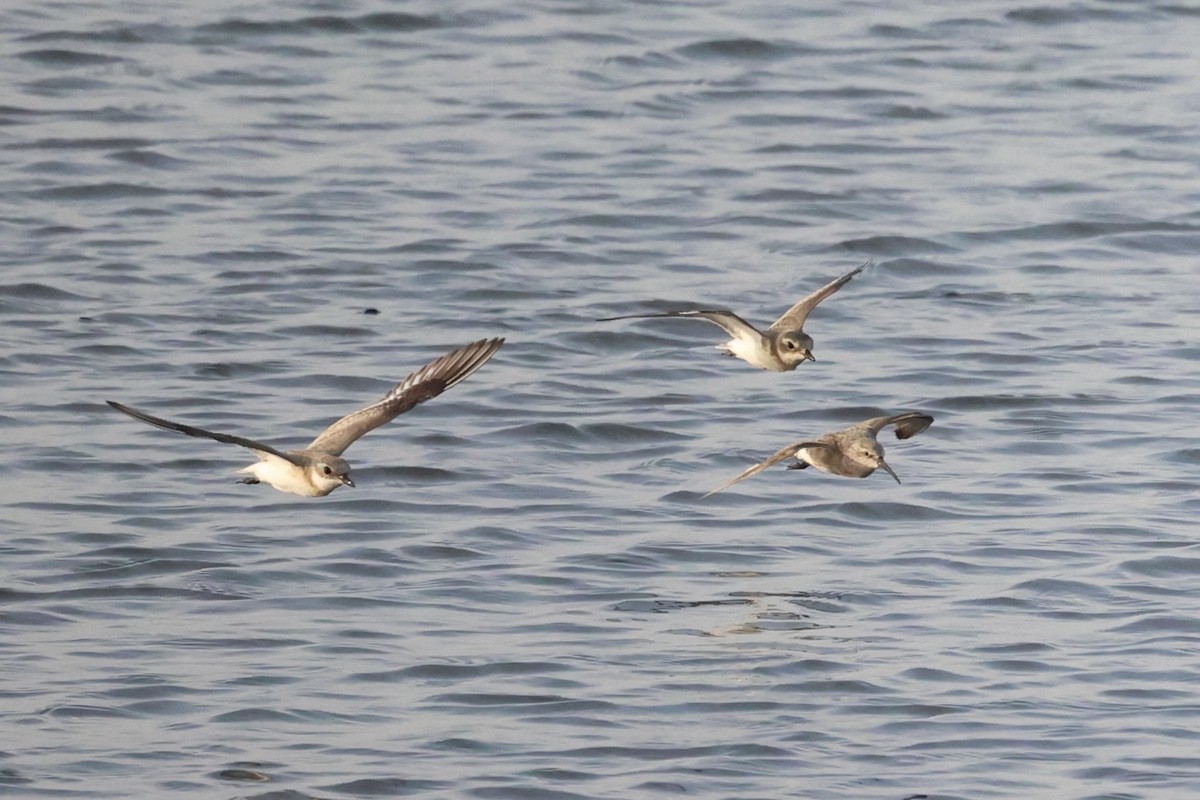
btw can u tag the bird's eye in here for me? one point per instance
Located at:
(790, 345)
(328, 471)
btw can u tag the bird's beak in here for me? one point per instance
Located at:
(883, 464)
(347, 482)
(808, 356)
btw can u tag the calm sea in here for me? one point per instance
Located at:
(257, 216)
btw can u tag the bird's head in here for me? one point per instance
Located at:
(328, 472)
(795, 347)
(870, 454)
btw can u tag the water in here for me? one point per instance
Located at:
(525, 597)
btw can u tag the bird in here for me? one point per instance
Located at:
(781, 348)
(318, 469)
(853, 452)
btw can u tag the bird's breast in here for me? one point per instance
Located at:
(755, 352)
(284, 476)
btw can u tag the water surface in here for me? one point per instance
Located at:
(525, 596)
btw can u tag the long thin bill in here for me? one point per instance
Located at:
(883, 464)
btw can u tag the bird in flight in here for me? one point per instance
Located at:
(781, 347)
(319, 468)
(854, 452)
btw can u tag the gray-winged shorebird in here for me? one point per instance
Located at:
(319, 468)
(854, 452)
(780, 348)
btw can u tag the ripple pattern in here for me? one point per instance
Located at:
(253, 217)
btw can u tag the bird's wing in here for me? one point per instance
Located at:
(908, 423)
(166, 424)
(785, 453)
(734, 325)
(428, 382)
(793, 319)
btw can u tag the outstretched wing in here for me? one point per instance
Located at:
(426, 383)
(793, 319)
(908, 423)
(166, 424)
(734, 325)
(785, 453)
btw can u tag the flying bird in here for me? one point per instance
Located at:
(781, 347)
(318, 469)
(854, 452)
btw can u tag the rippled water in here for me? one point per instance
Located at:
(525, 596)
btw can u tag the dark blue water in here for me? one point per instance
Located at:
(525, 596)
